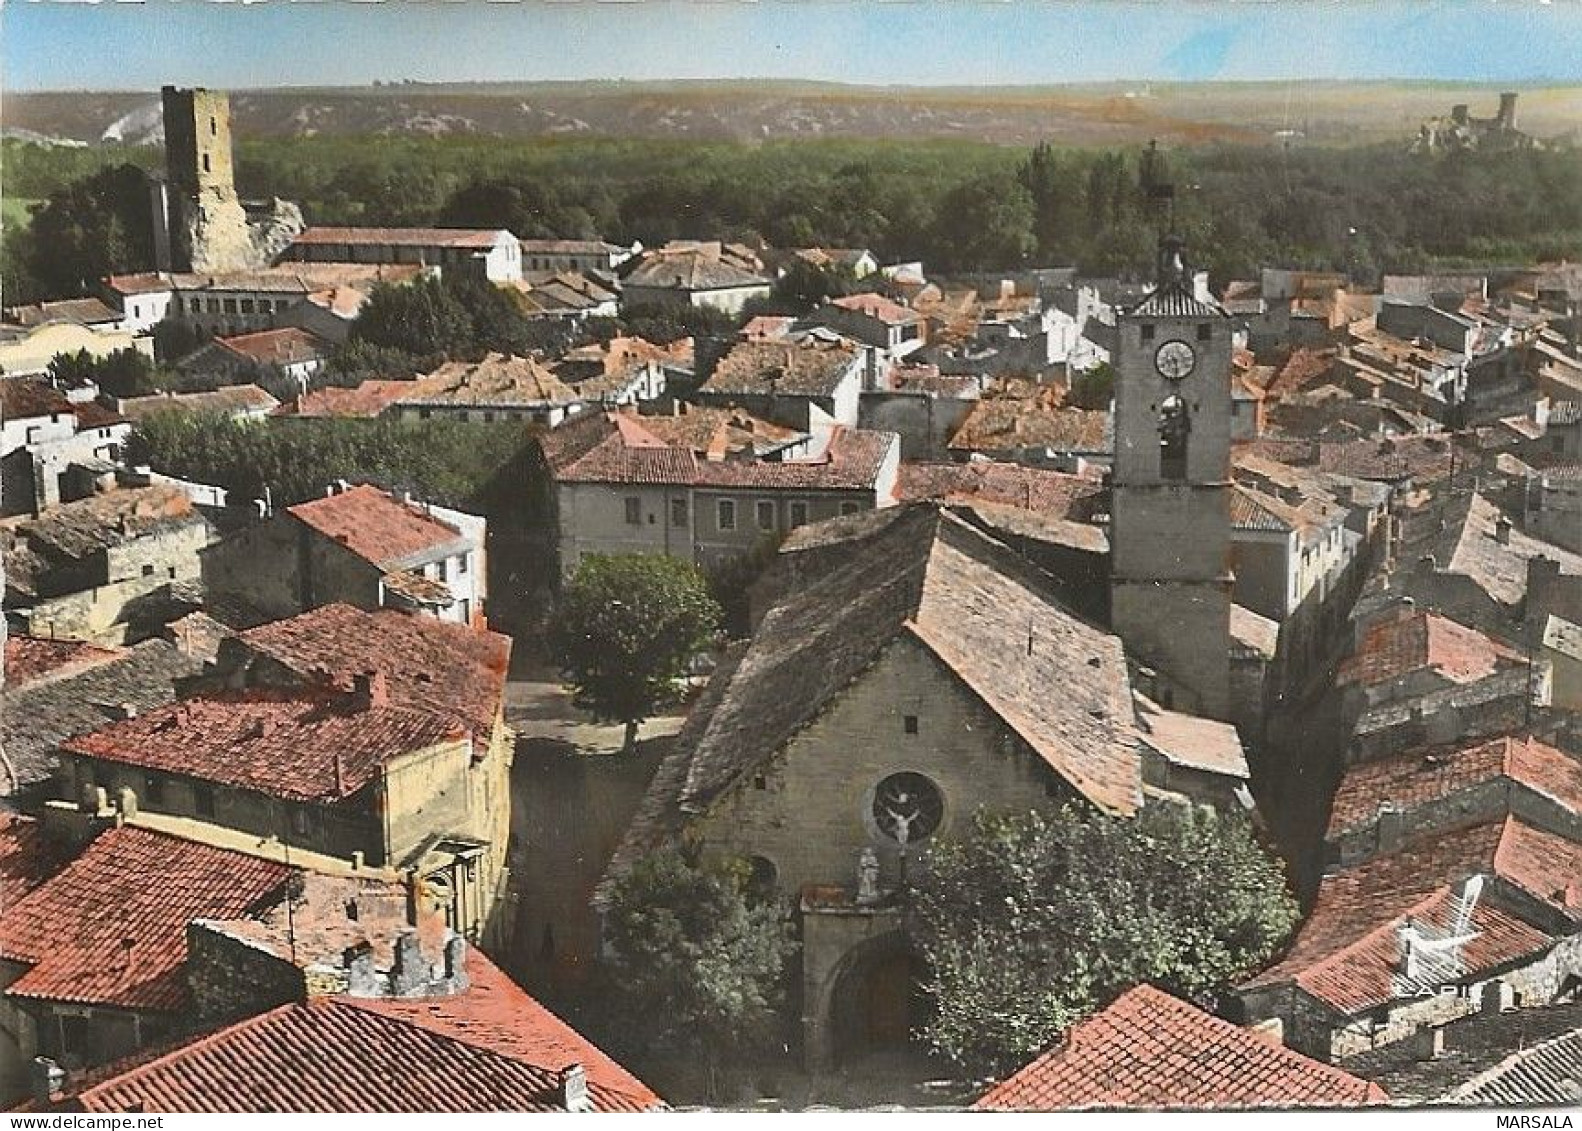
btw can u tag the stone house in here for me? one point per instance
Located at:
(1433, 931)
(284, 360)
(241, 302)
(101, 568)
(1562, 656)
(598, 257)
(446, 808)
(879, 705)
(499, 388)
(1146, 1050)
(707, 486)
(493, 254)
(808, 384)
(875, 321)
(237, 402)
(718, 276)
(359, 546)
(1024, 422)
(1407, 655)
(1554, 506)
(567, 296)
(924, 406)
(43, 432)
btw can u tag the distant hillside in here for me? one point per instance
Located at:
(1321, 113)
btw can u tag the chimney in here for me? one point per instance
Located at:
(1429, 1043)
(1502, 530)
(1271, 1030)
(48, 1080)
(573, 1083)
(370, 690)
(362, 978)
(409, 971)
(126, 802)
(1388, 828)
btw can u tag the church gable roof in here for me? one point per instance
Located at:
(980, 610)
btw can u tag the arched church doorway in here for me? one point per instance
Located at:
(878, 1004)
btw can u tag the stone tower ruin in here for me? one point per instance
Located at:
(208, 226)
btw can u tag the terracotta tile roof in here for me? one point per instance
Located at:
(918, 378)
(111, 928)
(27, 858)
(301, 747)
(800, 369)
(1305, 366)
(418, 589)
(1175, 300)
(570, 247)
(87, 526)
(1254, 509)
(1253, 633)
(621, 447)
(491, 1048)
(878, 307)
(1417, 777)
(83, 311)
(141, 283)
(1348, 954)
(480, 238)
(1422, 459)
(1499, 568)
(37, 717)
(230, 400)
(92, 414)
(26, 397)
(1421, 640)
(703, 267)
(497, 380)
(710, 431)
(1151, 1050)
(368, 399)
(1191, 741)
(1054, 494)
(31, 658)
(286, 346)
(766, 327)
(1024, 415)
(963, 597)
(449, 669)
(376, 527)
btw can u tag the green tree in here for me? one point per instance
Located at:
(626, 626)
(123, 373)
(93, 227)
(985, 223)
(698, 960)
(1031, 921)
(1093, 389)
(422, 318)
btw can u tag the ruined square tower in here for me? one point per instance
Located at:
(208, 226)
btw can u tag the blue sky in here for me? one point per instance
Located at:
(67, 45)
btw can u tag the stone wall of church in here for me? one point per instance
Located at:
(808, 813)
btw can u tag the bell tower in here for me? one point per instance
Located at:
(1170, 586)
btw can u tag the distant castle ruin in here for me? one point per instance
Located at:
(200, 223)
(1461, 131)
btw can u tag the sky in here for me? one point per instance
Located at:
(119, 45)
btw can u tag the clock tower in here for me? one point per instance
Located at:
(1170, 586)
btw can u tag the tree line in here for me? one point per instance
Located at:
(957, 206)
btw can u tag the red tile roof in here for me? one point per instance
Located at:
(1348, 953)
(286, 346)
(1151, 1050)
(25, 397)
(482, 238)
(618, 447)
(31, 658)
(300, 747)
(27, 858)
(878, 307)
(369, 399)
(1397, 648)
(449, 669)
(111, 928)
(492, 1048)
(375, 526)
(1053, 494)
(1416, 777)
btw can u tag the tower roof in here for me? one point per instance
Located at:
(1174, 294)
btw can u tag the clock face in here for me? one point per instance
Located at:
(1175, 360)
(907, 807)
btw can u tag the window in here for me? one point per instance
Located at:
(725, 515)
(154, 789)
(766, 516)
(798, 514)
(214, 128)
(1174, 426)
(463, 564)
(205, 162)
(73, 1036)
(1147, 333)
(170, 572)
(230, 306)
(1205, 332)
(466, 611)
(909, 724)
(849, 508)
(247, 306)
(203, 799)
(488, 418)
(299, 820)
(634, 510)
(442, 569)
(424, 413)
(678, 512)
(148, 570)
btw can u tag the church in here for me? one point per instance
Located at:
(926, 666)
